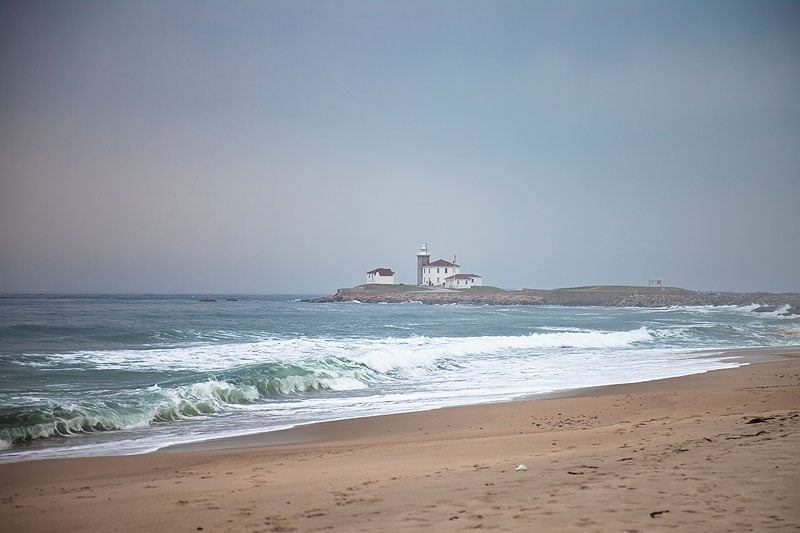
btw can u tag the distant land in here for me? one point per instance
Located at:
(787, 303)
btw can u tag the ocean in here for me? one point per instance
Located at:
(123, 374)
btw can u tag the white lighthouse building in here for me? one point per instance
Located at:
(442, 273)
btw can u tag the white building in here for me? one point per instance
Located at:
(382, 276)
(434, 274)
(443, 273)
(463, 281)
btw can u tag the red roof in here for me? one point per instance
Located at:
(442, 263)
(382, 272)
(463, 276)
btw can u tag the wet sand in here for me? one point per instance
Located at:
(711, 452)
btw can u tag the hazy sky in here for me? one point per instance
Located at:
(285, 146)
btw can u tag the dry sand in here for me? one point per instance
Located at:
(712, 452)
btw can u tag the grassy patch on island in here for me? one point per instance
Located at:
(629, 289)
(384, 289)
(483, 288)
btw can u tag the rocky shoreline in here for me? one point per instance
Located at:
(605, 296)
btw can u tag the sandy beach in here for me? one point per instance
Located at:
(709, 452)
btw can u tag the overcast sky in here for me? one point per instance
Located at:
(289, 147)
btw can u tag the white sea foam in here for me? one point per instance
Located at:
(379, 354)
(343, 384)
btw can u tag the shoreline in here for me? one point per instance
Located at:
(707, 451)
(305, 433)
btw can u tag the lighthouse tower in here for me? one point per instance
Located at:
(423, 259)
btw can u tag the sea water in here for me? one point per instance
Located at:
(98, 375)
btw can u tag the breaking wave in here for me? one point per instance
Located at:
(229, 377)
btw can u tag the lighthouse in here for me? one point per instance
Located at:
(423, 259)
